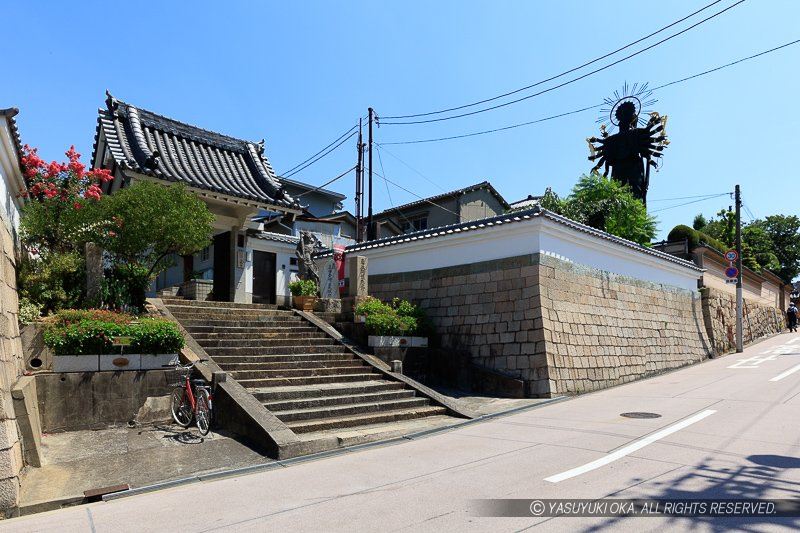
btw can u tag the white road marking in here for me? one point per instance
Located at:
(787, 373)
(755, 360)
(630, 448)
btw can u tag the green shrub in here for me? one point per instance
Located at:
(54, 281)
(80, 332)
(303, 287)
(399, 318)
(695, 238)
(28, 311)
(124, 288)
(372, 306)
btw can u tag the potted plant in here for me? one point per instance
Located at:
(396, 325)
(304, 294)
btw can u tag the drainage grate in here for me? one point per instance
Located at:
(640, 415)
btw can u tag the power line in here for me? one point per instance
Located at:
(380, 146)
(688, 197)
(388, 192)
(557, 75)
(494, 130)
(340, 176)
(687, 203)
(290, 174)
(728, 64)
(322, 150)
(418, 196)
(573, 80)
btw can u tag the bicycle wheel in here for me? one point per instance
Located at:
(203, 414)
(181, 410)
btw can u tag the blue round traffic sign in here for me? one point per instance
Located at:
(731, 255)
(732, 272)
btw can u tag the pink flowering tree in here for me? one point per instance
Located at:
(56, 219)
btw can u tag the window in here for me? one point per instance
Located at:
(414, 224)
(205, 254)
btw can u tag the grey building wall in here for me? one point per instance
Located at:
(479, 204)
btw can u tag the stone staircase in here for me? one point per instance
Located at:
(306, 378)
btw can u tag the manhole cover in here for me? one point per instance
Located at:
(640, 415)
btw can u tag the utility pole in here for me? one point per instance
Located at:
(370, 223)
(739, 302)
(359, 186)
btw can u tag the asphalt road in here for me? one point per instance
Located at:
(728, 428)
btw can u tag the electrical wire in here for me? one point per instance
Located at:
(290, 174)
(389, 193)
(570, 81)
(688, 197)
(417, 195)
(609, 54)
(380, 146)
(504, 128)
(687, 203)
(340, 176)
(316, 154)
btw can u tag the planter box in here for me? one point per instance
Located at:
(304, 303)
(128, 361)
(76, 363)
(157, 361)
(392, 341)
(197, 289)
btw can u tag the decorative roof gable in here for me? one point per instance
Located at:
(157, 146)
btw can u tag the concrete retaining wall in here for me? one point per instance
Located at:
(719, 312)
(559, 327)
(95, 400)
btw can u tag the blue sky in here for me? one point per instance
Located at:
(301, 73)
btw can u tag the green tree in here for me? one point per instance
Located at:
(700, 222)
(784, 237)
(153, 222)
(605, 204)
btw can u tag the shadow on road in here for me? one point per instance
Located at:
(764, 480)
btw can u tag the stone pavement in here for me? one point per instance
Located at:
(737, 437)
(76, 461)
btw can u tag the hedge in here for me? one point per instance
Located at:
(695, 238)
(77, 332)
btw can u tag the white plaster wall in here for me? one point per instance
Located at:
(283, 269)
(537, 235)
(9, 179)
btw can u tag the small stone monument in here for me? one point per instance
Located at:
(329, 289)
(359, 274)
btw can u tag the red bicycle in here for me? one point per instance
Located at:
(191, 400)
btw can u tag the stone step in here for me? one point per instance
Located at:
(276, 350)
(337, 411)
(306, 426)
(324, 390)
(279, 358)
(242, 324)
(325, 401)
(336, 371)
(304, 380)
(231, 314)
(307, 364)
(316, 340)
(169, 302)
(283, 333)
(262, 329)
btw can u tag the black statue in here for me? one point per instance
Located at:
(305, 251)
(630, 152)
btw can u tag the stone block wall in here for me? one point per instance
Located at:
(11, 366)
(602, 329)
(559, 327)
(719, 313)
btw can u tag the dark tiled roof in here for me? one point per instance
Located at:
(306, 187)
(277, 237)
(10, 113)
(439, 197)
(164, 148)
(511, 218)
